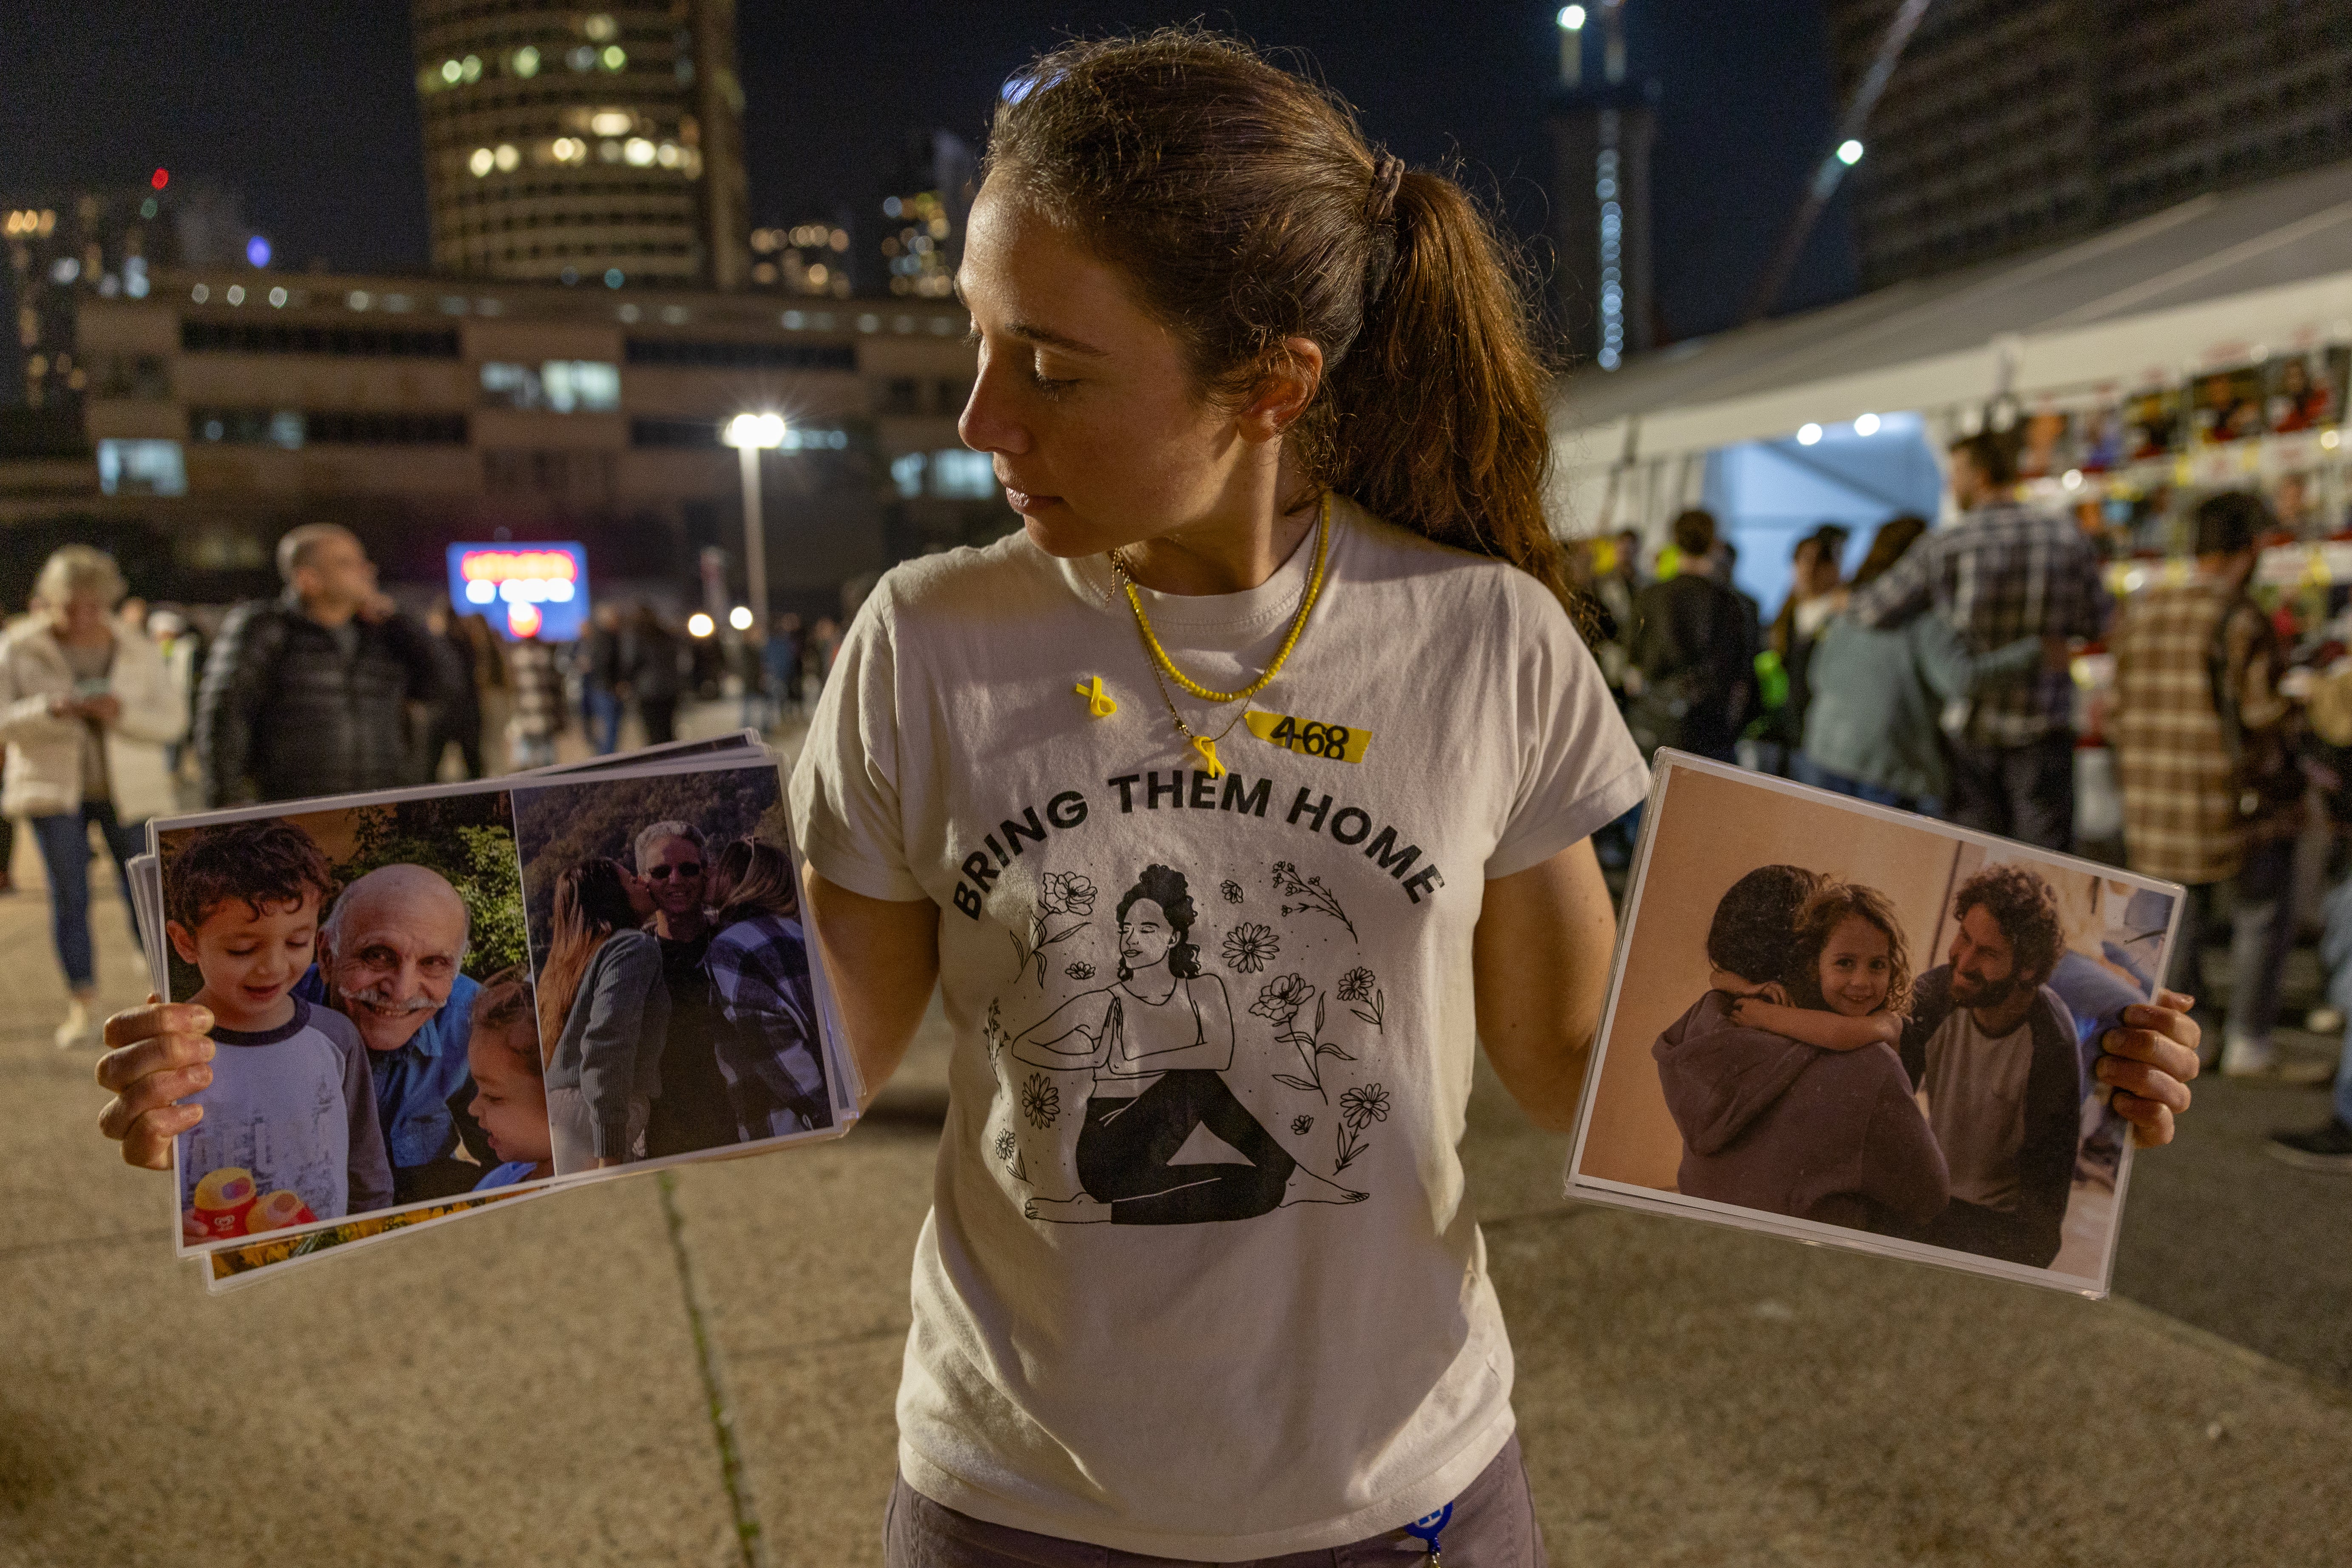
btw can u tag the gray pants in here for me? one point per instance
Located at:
(1494, 1526)
(2261, 935)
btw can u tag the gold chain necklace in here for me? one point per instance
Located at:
(1157, 656)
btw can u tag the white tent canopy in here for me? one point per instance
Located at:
(2214, 281)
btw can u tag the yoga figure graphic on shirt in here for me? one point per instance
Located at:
(1124, 1075)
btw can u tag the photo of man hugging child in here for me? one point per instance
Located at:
(288, 1132)
(1782, 1078)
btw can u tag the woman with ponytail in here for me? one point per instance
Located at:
(1283, 616)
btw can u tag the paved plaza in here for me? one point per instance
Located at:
(700, 1370)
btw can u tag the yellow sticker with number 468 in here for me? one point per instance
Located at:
(1310, 737)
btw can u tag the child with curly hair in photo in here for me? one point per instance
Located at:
(1849, 978)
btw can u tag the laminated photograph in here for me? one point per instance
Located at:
(1857, 1027)
(427, 997)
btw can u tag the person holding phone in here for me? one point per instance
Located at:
(86, 708)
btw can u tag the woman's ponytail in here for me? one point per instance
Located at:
(1437, 421)
(1247, 209)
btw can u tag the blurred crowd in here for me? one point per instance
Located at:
(114, 712)
(1982, 672)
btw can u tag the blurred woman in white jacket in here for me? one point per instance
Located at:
(87, 710)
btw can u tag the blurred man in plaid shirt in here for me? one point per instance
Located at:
(2003, 572)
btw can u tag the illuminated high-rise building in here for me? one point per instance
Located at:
(1602, 128)
(810, 257)
(924, 215)
(599, 146)
(66, 247)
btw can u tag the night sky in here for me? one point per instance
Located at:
(310, 110)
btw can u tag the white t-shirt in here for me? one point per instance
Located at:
(1284, 1338)
(1976, 1106)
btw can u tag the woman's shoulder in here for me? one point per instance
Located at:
(1445, 578)
(966, 575)
(631, 947)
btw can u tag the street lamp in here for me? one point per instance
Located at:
(1572, 46)
(749, 434)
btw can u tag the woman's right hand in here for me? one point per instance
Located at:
(156, 1057)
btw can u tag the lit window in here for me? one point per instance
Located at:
(600, 27)
(795, 320)
(526, 62)
(908, 473)
(482, 162)
(614, 56)
(580, 386)
(473, 67)
(451, 71)
(668, 155)
(583, 58)
(869, 323)
(236, 293)
(142, 469)
(611, 123)
(639, 151)
(507, 157)
(964, 475)
(200, 293)
(285, 428)
(358, 300)
(609, 151)
(277, 298)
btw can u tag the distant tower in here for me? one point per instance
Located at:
(1602, 131)
(601, 146)
(923, 216)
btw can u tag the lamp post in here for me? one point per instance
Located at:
(1572, 46)
(749, 434)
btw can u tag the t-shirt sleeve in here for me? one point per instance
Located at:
(846, 800)
(1578, 768)
(369, 1177)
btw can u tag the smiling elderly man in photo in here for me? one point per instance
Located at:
(389, 957)
(1994, 1048)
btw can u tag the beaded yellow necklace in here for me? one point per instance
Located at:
(1206, 746)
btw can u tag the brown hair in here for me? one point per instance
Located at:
(1693, 531)
(1994, 453)
(1818, 918)
(592, 902)
(505, 1000)
(1247, 208)
(259, 862)
(2025, 908)
(1895, 536)
(758, 882)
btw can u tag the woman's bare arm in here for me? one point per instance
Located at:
(883, 958)
(1540, 962)
(1812, 1026)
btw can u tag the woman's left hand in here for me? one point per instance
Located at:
(2147, 1063)
(105, 708)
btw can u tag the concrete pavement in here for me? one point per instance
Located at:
(535, 1384)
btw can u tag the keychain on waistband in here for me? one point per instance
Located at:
(1426, 1529)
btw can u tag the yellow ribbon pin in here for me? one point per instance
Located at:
(1208, 750)
(1099, 704)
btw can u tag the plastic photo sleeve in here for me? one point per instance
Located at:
(1857, 1027)
(681, 1006)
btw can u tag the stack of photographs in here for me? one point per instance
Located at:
(1859, 1027)
(430, 1001)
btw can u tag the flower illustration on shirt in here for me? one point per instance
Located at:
(1080, 969)
(1358, 1109)
(991, 1029)
(1250, 947)
(1040, 1102)
(1232, 891)
(1006, 1144)
(1058, 893)
(1360, 988)
(1312, 897)
(1279, 999)
(1302, 1124)
(1065, 893)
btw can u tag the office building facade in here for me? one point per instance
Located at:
(226, 406)
(2011, 124)
(596, 147)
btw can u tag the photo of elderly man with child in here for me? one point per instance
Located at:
(1897, 1038)
(675, 1003)
(373, 1025)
